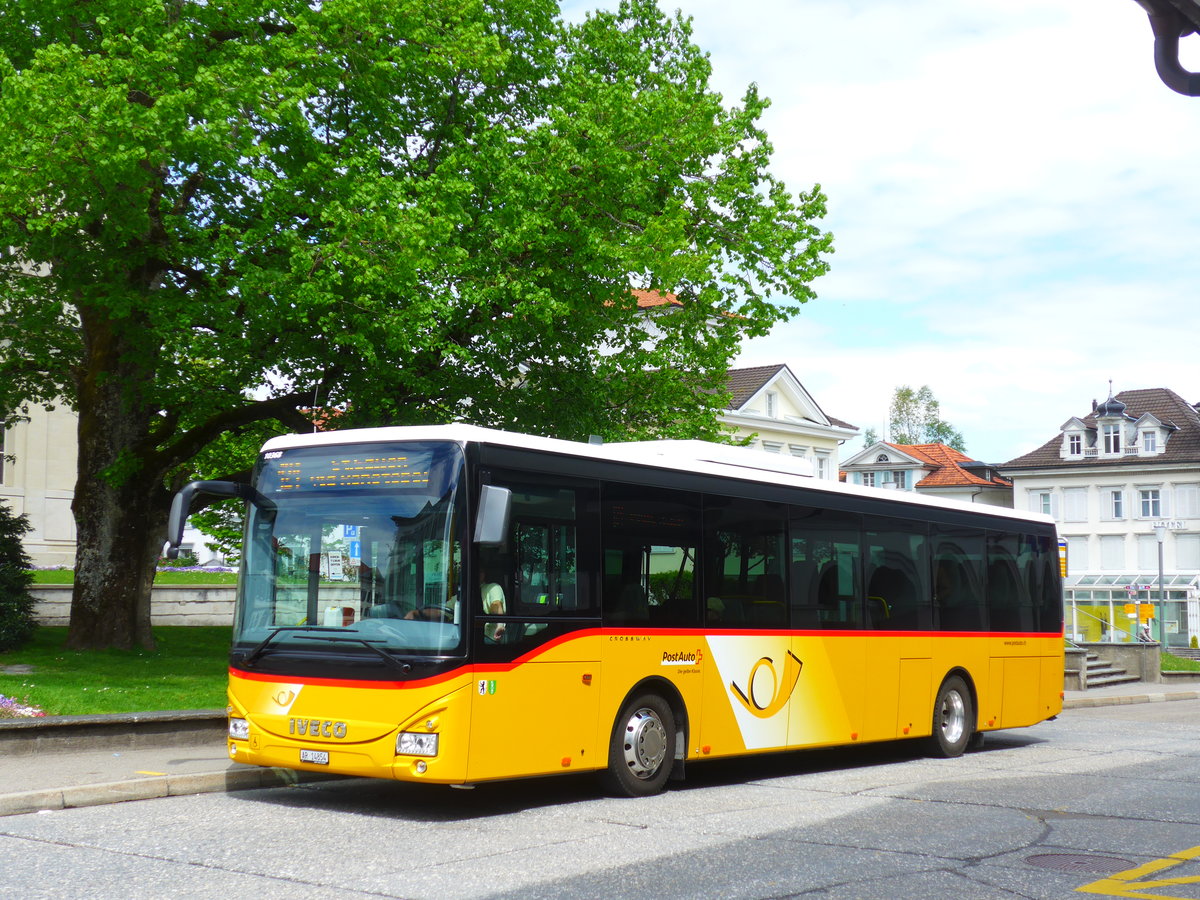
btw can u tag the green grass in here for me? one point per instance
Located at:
(66, 576)
(188, 670)
(1169, 662)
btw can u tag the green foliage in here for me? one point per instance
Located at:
(914, 417)
(163, 576)
(1169, 662)
(220, 221)
(1195, 643)
(17, 622)
(188, 670)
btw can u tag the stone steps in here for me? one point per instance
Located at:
(1102, 674)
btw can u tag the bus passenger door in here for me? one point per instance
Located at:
(537, 684)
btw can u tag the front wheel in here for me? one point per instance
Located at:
(641, 750)
(953, 718)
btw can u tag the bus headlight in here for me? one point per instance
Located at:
(416, 743)
(239, 729)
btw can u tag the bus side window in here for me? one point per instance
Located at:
(650, 541)
(898, 595)
(958, 588)
(826, 590)
(1010, 605)
(745, 545)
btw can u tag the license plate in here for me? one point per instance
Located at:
(317, 757)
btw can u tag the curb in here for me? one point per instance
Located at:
(239, 779)
(1127, 700)
(24, 737)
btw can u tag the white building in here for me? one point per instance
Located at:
(37, 479)
(934, 469)
(1123, 483)
(769, 405)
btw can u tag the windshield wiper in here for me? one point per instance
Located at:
(250, 657)
(370, 645)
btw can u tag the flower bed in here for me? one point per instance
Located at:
(11, 708)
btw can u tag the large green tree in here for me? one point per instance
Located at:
(915, 417)
(216, 218)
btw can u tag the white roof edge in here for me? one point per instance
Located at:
(650, 453)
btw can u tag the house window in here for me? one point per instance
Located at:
(901, 480)
(1149, 442)
(1147, 551)
(867, 478)
(1043, 502)
(1074, 444)
(1077, 554)
(1112, 438)
(1112, 551)
(772, 405)
(773, 446)
(1116, 504)
(1187, 551)
(822, 465)
(1075, 505)
(798, 450)
(1187, 501)
(1151, 503)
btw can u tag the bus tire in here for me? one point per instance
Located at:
(641, 750)
(953, 718)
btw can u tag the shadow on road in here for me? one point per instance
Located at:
(404, 801)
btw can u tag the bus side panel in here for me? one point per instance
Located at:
(914, 716)
(748, 684)
(1022, 695)
(677, 658)
(535, 718)
(829, 706)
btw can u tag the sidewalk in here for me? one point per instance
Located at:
(92, 760)
(60, 763)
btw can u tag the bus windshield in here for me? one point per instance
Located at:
(356, 553)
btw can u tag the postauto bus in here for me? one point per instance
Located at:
(453, 605)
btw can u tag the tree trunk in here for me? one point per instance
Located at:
(120, 503)
(120, 534)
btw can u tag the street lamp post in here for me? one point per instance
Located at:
(1160, 534)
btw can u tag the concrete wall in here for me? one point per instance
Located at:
(1140, 659)
(169, 604)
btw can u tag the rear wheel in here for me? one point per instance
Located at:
(953, 718)
(641, 750)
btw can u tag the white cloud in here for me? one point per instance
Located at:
(1013, 193)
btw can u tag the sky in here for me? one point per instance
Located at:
(1014, 197)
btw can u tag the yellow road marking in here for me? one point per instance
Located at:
(140, 772)
(1129, 883)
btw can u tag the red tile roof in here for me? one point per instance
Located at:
(948, 468)
(651, 299)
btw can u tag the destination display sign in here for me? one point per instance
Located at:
(307, 471)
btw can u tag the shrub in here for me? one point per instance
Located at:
(1195, 642)
(17, 622)
(183, 561)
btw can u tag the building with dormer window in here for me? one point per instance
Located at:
(1123, 482)
(929, 469)
(770, 406)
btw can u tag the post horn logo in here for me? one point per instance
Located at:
(762, 699)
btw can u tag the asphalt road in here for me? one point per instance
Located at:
(1107, 798)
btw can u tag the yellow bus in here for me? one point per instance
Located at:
(454, 605)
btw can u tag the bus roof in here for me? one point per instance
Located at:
(706, 457)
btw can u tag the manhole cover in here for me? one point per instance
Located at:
(1077, 862)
